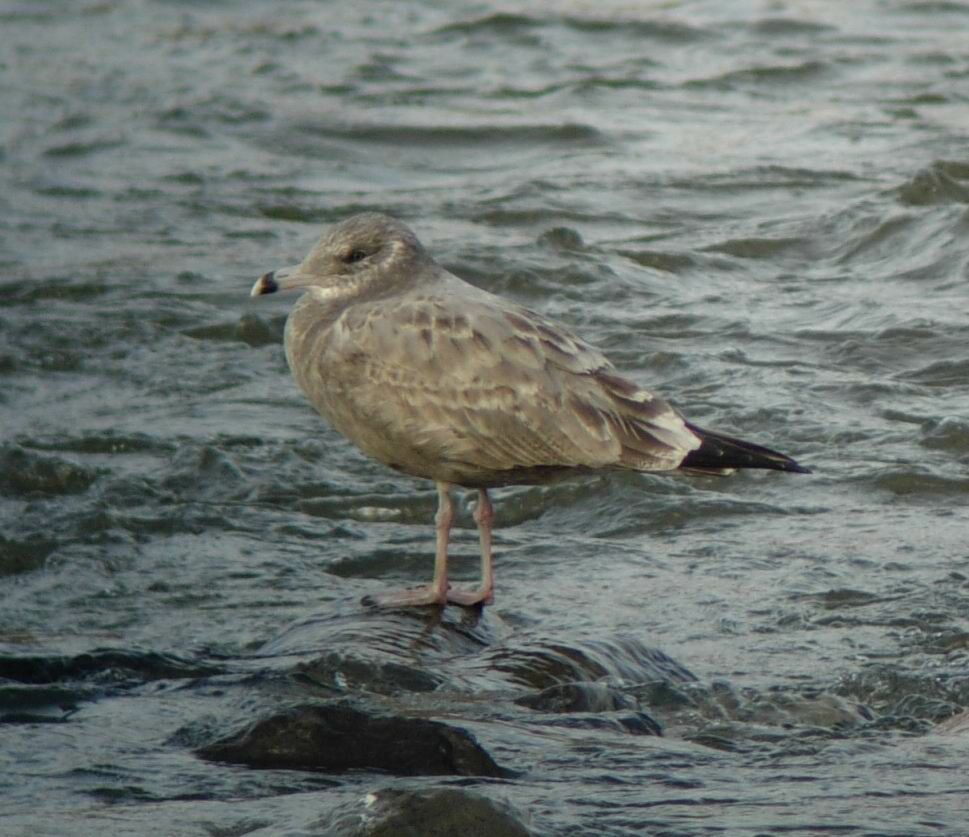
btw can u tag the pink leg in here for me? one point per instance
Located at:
(435, 593)
(483, 515)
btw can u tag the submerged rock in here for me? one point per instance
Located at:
(112, 666)
(337, 737)
(577, 697)
(544, 664)
(437, 813)
(591, 706)
(25, 473)
(348, 672)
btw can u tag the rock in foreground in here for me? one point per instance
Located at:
(437, 813)
(337, 737)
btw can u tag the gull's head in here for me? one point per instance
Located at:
(369, 250)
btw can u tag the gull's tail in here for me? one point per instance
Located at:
(719, 454)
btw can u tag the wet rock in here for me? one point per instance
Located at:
(637, 723)
(577, 697)
(113, 666)
(344, 672)
(337, 737)
(21, 556)
(663, 695)
(939, 183)
(905, 699)
(541, 665)
(38, 704)
(26, 474)
(372, 651)
(581, 701)
(437, 813)
(562, 238)
(204, 470)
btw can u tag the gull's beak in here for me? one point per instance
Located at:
(277, 280)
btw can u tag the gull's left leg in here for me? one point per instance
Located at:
(483, 515)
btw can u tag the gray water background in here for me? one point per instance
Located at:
(758, 209)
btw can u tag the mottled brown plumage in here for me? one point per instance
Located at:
(441, 380)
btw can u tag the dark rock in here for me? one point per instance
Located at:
(337, 737)
(437, 813)
(21, 704)
(562, 238)
(108, 665)
(26, 555)
(28, 474)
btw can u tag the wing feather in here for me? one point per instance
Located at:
(473, 382)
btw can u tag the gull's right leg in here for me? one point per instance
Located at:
(434, 593)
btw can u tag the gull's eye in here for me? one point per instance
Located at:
(354, 256)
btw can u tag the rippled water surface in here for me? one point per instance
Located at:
(758, 209)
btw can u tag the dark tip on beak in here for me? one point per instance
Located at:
(265, 284)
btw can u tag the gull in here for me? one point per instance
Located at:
(443, 381)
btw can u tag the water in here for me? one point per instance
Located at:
(758, 209)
